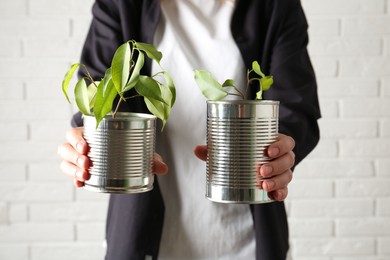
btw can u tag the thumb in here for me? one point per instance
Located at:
(159, 167)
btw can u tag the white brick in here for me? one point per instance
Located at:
(80, 26)
(349, 128)
(364, 67)
(37, 28)
(383, 245)
(362, 258)
(49, 7)
(47, 88)
(362, 188)
(334, 168)
(310, 189)
(383, 167)
(31, 152)
(334, 246)
(75, 212)
(366, 25)
(49, 130)
(300, 228)
(385, 128)
(383, 207)
(368, 107)
(330, 108)
(14, 251)
(29, 232)
(11, 89)
(342, 46)
(312, 258)
(344, 7)
(325, 67)
(91, 231)
(325, 149)
(320, 26)
(363, 227)
(365, 148)
(3, 213)
(33, 68)
(17, 212)
(13, 131)
(348, 87)
(10, 47)
(49, 48)
(12, 171)
(386, 86)
(46, 171)
(35, 110)
(67, 251)
(84, 195)
(21, 192)
(329, 208)
(13, 8)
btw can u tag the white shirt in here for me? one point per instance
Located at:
(195, 34)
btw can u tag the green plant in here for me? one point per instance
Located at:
(97, 98)
(213, 90)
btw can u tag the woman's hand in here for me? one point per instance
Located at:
(75, 162)
(275, 175)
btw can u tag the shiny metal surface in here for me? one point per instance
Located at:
(238, 132)
(121, 153)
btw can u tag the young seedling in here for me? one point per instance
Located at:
(98, 97)
(214, 91)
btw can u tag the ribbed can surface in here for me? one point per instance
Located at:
(121, 153)
(238, 132)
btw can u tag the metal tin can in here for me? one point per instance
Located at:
(121, 151)
(238, 133)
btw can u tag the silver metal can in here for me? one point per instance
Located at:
(238, 133)
(121, 151)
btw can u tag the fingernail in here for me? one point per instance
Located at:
(79, 147)
(80, 161)
(79, 175)
(266, 170)
(270, 185)
(274, 152)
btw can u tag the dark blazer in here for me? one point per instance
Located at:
(271, 31)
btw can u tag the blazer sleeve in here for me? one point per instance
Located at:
(294, 78)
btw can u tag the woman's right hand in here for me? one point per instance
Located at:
(75, 162)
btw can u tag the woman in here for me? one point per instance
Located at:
(174, 221)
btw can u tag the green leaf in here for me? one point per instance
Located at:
(68, 76)
(228, 83)
(256, 68)
(105, 96)
(92, 89)
(209, 87)
(120, 67)
(148, 87)
(259, 95)
(158, 109)
(136, 72)
(169, 84)
(266, 83)
(150, 50)
(81, 97)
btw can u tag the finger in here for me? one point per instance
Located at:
(279, 195)
(67, 152)
(74, 172)
(278, 165)
(283, 145)
(75, 137)
(201, 152)
(159, 167)
(78, 183)
(277, 182)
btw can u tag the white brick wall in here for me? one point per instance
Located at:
(339, 203)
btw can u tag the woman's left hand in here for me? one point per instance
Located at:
(275, 175)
